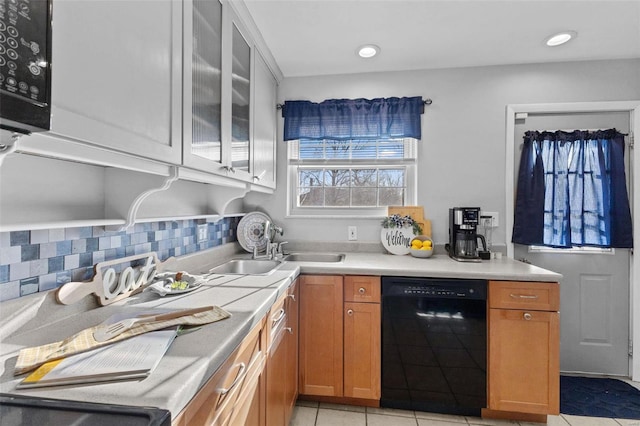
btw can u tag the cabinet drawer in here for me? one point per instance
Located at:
(216, 398)
(362, 289)
(276, 320)
(535, 296)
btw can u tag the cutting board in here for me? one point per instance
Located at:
(416, 213)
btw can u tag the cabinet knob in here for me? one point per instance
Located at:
(362, 290)
(350, 312)
(527, 316)
(289, 329)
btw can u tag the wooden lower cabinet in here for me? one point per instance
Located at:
(524, 348)
(258, 384)
(321, 335)
(234, 391)
(292, 339)
(362, 350)
(282, 363)
(340, 337)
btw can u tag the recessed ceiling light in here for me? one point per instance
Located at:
(560, 38)
(368, 51)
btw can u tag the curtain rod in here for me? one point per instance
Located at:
(425, 102)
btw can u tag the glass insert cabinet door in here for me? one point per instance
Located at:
(207, 80)
(218, 66)
(240, 101)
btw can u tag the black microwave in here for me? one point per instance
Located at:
(25, 65)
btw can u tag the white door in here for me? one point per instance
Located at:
(595, 289)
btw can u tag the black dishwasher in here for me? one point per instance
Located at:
(434, 345)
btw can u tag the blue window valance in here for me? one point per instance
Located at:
(345, 119)
(572, 190)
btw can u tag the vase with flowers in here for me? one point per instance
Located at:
(397, 233)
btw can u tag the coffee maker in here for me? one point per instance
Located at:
(463, 235)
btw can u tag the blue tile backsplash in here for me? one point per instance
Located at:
(41, 260)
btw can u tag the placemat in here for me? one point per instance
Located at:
(31, 358)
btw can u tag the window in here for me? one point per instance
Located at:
(351, 157)
(572, 191)
(351, 177)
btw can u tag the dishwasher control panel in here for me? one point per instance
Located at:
(434, 288)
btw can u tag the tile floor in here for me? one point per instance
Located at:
(314, 414)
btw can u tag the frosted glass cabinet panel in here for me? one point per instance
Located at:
(240, 101)
(207, 80)
(117, 77)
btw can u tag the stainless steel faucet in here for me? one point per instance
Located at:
(272, 250)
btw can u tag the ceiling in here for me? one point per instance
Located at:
(318, 37)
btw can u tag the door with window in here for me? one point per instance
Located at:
(595, 289)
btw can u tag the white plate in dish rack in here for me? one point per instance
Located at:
(251, 231)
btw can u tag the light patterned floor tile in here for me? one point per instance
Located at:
(304, 403)
(490, 422)
(628, 422)
(589, 421)
(444, 417)
(342, 407)
(551, 421)
(303, 416)
(386, 420)
(327, 417)
(433, 422)
(391, 412)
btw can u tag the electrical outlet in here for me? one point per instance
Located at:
(492, 217)
(203, 233)
(352, 233)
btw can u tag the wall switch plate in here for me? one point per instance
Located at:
(203, 234)
(352, 233)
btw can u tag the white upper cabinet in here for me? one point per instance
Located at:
(117, 75)
(264, 124)
(229, 99)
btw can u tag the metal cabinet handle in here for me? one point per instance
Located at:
(527, 316)
(276, 318)
(289, 329)
(362, 290)
(239, 377)
(523, 296)
(350, 312)
(292, 296)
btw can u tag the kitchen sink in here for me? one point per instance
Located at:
(247, 267)
(314, 257)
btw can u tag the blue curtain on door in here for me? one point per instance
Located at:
(348, 119)
(572, 190)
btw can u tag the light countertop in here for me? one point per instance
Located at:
(194, 357)
(436, 266)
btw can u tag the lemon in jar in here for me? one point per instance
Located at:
(416, 244)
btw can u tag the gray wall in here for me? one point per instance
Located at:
(462, 154)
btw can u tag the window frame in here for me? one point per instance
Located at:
(409, 163)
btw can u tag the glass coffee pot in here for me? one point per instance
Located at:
(466, 245)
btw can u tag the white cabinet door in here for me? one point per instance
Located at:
(117, 74)
(264, 124)
(203, 85)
